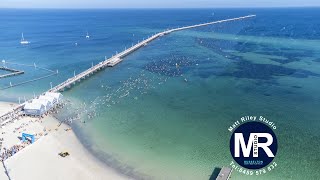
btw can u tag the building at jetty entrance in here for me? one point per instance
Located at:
(57, 96)
(42, 104)
(34, 109)
(51, 99)
(45, 102)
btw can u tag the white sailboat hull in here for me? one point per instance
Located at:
(24, 42)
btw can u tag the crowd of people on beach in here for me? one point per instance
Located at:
(8, 152)
(1, 142)
(13, 117)
(10, 118)
(13, 150)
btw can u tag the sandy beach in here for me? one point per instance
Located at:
(40, 160)
(5, 107)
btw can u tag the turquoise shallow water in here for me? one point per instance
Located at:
(152, 120)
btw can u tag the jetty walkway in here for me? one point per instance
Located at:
(114, 60)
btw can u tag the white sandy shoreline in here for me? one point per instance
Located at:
(40, 160)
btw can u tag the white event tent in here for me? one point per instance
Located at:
(34, 109)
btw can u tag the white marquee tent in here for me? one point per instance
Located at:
(58, 96)
(51, 99)
(35, 109)
(45, 102)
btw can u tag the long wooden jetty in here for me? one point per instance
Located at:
(119, 57)
(114, 60)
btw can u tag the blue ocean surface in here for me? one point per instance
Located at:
(164, 112)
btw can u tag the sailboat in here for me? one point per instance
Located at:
(23, 41)
(87, 36)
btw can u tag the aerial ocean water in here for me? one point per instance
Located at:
(164, 112)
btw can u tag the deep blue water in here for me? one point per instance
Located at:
(156, 121)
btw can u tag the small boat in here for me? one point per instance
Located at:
(23, 41)
(87, 36)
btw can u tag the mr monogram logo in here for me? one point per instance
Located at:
(253, 145)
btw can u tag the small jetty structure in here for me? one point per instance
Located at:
(111, 62)
(23, 41)
(225, 173)
(12, 72)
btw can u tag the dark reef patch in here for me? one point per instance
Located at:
(244, 47)
(219, 46)
(316, 60)
(246, 69)
(250, 70)
(297, 87)
(304, 74)
(284, 61)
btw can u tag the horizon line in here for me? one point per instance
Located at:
(110, 8)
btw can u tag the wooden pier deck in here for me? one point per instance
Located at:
(111, 62)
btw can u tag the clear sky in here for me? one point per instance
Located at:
(153, 3)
